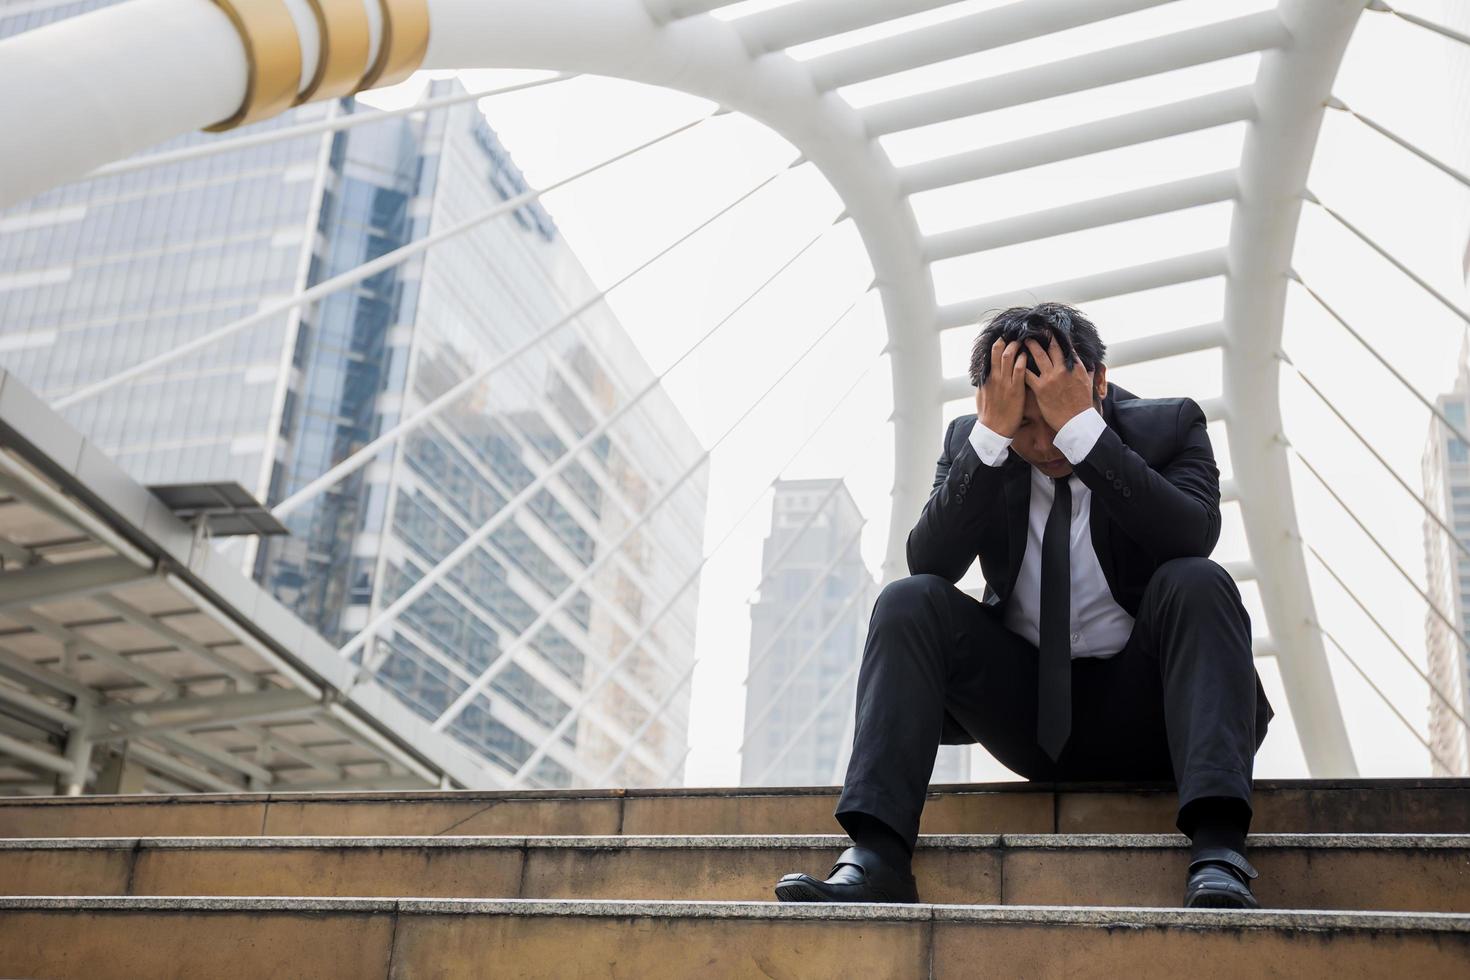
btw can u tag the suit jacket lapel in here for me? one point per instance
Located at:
(1097, 517)
(1018, 515)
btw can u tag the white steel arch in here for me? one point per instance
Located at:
(126, 77)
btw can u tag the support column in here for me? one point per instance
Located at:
(1291, 91)
(78, 756)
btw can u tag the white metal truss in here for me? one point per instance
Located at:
(153, 69)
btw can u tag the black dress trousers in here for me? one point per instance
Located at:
(1181, 702)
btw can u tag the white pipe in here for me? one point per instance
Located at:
(667, 10)
(1292, 88)
(113, 659)
(29, 752)
(1130, 129)
(796, 23)
(1198, 45)
(1145, 202)
(983, 31)
(103, 85)
(334, 124)
(39, 493)
(79, 755)
(36, 706)
(179, 769)
(1115, 282)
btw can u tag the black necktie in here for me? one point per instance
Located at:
(1054, 676)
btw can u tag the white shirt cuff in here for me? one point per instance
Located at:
(1079, 435)
(989, 445)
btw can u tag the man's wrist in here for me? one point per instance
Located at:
(995, 427)
(989, 445)
(1076, 438)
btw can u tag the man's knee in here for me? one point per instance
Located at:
(1196, 587)
(906, 599)
(1192, 578)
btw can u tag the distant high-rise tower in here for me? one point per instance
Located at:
(806, 640)
(1447, 491)
(806, 636)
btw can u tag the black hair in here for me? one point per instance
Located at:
(1075, 335)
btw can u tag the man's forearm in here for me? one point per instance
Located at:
(1173, 514)
(966, 494)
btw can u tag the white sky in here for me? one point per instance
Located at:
(1401, 75)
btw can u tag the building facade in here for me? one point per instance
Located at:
(107, 272)
(1446, 468)
(806, 640)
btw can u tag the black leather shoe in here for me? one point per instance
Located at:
(859, 875)
(1219, 878)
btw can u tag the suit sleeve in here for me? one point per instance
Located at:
(1172, 512)
(966, 493)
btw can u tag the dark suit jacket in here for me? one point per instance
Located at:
(1155, 496)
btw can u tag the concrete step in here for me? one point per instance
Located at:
(367, 938)
(1429, 873)
(1362, 806)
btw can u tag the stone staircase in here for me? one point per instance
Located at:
(1358, 878)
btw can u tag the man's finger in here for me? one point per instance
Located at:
(1054, 348)
(1043, 360)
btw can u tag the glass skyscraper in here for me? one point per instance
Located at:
(1446, 469)
(806, 637)
(101, 274)
(1446, 466)
(806, 640)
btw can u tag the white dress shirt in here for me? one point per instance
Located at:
(1100, 627)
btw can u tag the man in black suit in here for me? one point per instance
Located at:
(1108, 645)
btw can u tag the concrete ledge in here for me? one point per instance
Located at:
(1411, 842)
(948, 789)
(1281, 806)
(353, 938)
(1038, 914)
(1428, 873)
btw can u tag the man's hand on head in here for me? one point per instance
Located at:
(1062, 393)
(1000, 401)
